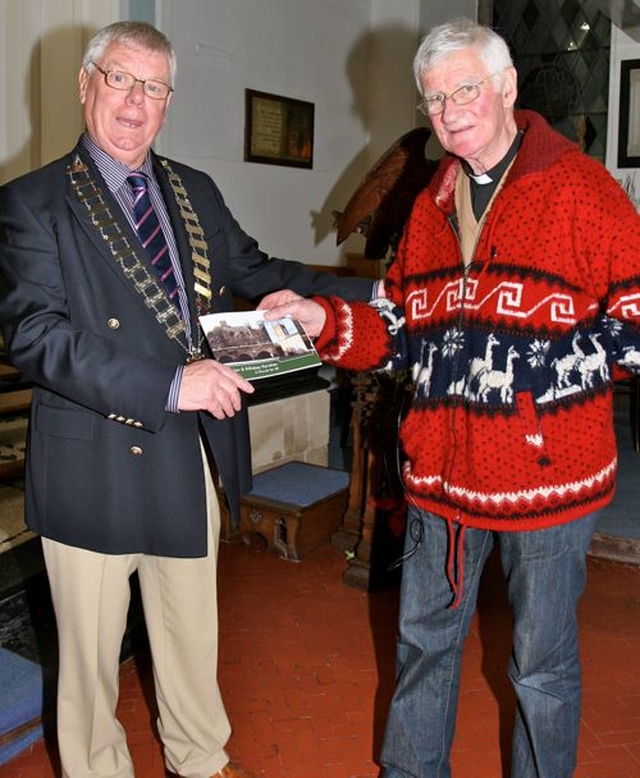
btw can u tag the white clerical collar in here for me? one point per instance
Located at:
(483, 178)
(497, 171)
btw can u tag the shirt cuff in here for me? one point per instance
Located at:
(377, 290)
(174, 391)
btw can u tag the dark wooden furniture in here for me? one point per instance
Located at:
(15, 392)
(372, 530)
(294, 507)
(15, 400)
(630, 387)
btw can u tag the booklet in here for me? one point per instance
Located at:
(256, 348)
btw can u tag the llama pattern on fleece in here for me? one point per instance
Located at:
(513, 355)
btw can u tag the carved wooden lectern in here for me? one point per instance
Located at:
(372, 527)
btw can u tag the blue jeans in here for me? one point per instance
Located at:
(545, 572)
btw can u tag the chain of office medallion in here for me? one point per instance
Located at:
(125, 255)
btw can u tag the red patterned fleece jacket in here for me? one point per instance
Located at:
(511, 424)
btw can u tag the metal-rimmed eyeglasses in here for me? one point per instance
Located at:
(123, 81)
(434, 104)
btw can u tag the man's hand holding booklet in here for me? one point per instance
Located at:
(257, 348)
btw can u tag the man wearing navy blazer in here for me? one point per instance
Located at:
(132, 423)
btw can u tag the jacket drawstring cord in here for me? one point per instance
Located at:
(455, 561)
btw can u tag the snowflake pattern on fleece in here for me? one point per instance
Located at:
(511, 423)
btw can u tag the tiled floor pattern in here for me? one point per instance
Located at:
(307, 666)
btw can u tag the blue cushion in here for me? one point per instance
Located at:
(299, 483)
(21, 693)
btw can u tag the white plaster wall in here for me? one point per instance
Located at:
(19, 31)
(310, 51)
(41, 42)
(392, 97)
(436, 13)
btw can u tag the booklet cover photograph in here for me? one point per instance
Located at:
(256, 348)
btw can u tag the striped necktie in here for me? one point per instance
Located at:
(150, 233)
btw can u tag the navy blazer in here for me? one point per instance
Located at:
(107, 467)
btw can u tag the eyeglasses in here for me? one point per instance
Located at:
(467, 93)
(118, 79)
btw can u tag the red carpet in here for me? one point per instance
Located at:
(307, 669)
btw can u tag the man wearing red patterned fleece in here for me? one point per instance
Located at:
(515, 291)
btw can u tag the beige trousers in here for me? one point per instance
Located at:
(91, 596)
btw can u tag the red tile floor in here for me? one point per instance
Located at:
(307, 667)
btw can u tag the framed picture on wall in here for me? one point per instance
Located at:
(629, 120)
(278, 130)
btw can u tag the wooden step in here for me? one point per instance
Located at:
(15, 402)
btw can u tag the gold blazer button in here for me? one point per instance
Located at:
(113, 324)
(136, 451)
